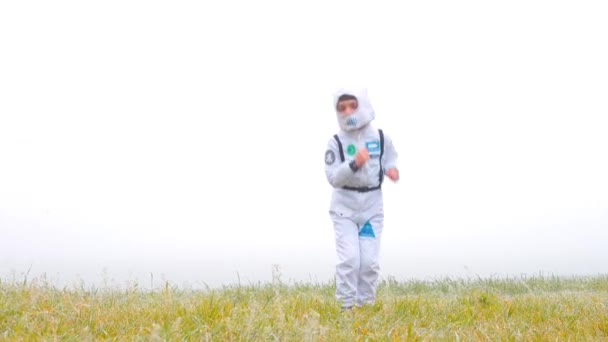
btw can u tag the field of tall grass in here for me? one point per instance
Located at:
(533, 308)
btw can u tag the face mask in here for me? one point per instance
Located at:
(354, 121)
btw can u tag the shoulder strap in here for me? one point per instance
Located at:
(381, 143)
(381, 175)
(339, 147)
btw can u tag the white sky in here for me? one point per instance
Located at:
(170, 137)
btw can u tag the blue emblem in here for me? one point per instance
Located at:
(373, 147)
(367, 230)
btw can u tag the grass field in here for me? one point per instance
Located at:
(534, 308)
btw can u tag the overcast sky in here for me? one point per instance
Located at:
(187, 138)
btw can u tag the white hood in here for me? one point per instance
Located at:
(362, 116)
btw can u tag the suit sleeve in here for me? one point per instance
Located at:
(390, 154)
(337, 172)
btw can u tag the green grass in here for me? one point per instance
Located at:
(537, 308)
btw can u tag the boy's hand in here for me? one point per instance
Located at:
(393, 174)
(362, 157)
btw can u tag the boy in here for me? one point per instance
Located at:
(356, 161)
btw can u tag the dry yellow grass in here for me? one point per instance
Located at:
(522, 309)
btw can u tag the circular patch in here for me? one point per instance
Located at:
(351, 150)
(330, 157)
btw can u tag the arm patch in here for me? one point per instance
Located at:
(330, 157)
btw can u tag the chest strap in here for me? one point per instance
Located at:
(381, 173)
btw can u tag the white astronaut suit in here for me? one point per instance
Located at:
(356, 207)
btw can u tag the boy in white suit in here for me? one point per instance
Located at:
(357, 159)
